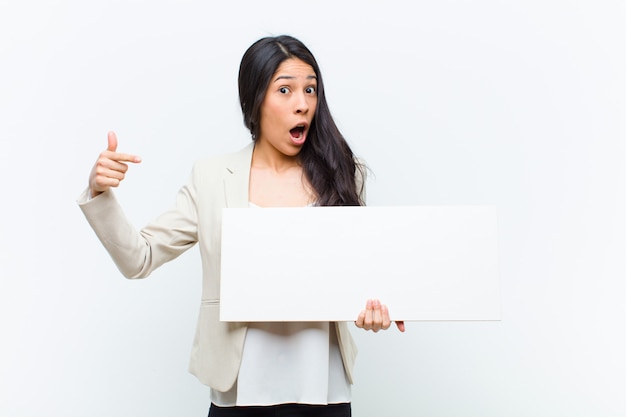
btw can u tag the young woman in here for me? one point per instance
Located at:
(297, 158)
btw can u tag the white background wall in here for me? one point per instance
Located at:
(518, 103)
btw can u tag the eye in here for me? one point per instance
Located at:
(283, 90)
(310, 90)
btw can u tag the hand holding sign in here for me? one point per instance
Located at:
(375, 317)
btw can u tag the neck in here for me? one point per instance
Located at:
(267, 157)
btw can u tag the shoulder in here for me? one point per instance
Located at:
(361, 169)
(360, 178)
(225, 162)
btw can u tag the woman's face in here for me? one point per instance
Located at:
(289, 106)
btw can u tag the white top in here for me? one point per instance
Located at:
(288, 362)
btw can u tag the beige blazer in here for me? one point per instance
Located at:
(215, 183)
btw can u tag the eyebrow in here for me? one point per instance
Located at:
(291, 77)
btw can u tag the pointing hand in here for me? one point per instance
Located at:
(110, 168)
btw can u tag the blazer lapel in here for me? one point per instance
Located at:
(237, 178)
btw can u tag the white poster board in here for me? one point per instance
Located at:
(323, 263)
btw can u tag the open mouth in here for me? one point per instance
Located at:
(297, 133)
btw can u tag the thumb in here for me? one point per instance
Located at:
(112, 139)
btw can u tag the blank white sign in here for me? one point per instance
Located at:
(323, 263)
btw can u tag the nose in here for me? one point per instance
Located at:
(302, 104)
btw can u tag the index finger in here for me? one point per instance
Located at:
(119, 157)
(124, 157)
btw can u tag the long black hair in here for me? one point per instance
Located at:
(327, 160)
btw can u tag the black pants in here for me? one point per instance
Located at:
(283, 410)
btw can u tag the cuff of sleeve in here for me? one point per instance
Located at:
(86, 201)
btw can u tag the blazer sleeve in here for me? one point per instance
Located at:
(139, 252)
